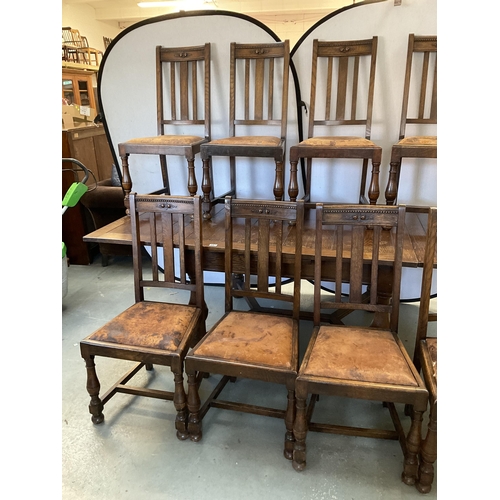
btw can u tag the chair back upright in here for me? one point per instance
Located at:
(420, 85)
(183, 87)
(259, 86)
(346, 70)
(367, 243)
(260, 231)
(171, 225)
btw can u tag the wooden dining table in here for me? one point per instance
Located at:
(119, 232)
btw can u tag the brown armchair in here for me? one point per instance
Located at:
(106, 204)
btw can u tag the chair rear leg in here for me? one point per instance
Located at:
(299, 433)
(289, 421)
(93, 388)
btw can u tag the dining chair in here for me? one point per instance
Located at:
(76, 48)
(69, 45)
(425, 357)
(357, 361)
(342, 92)
(107, 41)
(155, 330)
(91, 56)
(253, 344)
(183, 110)
(258, 101)
(419, 109)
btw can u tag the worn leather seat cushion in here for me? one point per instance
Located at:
(361, 354)
(167, 140)
(164, 328)
(248, 337)
(258, 140)
(422, 140)
(338, 142)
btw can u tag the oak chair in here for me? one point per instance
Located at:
(152, 331)
(90, 55)
(342, 89)
(419, 108)
(361, 362)
(425, 358)
(107, 41)
(263, 344)
(69, 45)
(183, 107)
(258, 97)
(76, 48)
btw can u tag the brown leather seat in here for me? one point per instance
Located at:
(260, 343)
(357, 361)
(150, 331)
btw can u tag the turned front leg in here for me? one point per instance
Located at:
(413, 439)
(428, 454)
(293, 186)
(391, 191)
(192, 185)
(206, 187)
(126, 181)
(300, 432)
(278, 182)
(180, 403)
(194, 403)
(374, 189)
(93, 388)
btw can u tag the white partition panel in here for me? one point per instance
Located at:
(127, 95)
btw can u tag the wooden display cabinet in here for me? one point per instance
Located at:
(77, 88)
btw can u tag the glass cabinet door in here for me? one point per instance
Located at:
(68, 90)
(77, 89)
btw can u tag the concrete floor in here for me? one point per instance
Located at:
(135, 453)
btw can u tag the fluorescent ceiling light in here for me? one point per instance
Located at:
(146, 5)
(186, 4)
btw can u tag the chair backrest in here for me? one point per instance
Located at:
(258, 246)
(420, 83)
(172, 226)
(366, 243)
(72, 36)
(429, 258)
(342, 84)
(107, 41)
(183, 87)
(258, 92)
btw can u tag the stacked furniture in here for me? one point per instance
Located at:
(75, 48)
(264, 243)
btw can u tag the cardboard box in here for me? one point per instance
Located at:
(77, 116)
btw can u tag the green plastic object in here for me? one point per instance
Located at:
(63, 250)
(74, 193)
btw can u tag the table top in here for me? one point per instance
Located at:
(119, 232)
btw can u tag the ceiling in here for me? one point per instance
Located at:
(126, 12)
